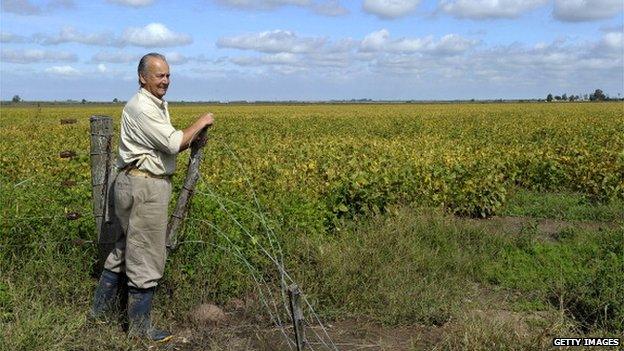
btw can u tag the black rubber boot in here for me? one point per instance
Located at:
(139, 310)
(105, 295)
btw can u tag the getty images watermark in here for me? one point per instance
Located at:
(586, 342)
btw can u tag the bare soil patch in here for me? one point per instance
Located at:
(546, 228)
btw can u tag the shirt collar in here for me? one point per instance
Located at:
(160, 103)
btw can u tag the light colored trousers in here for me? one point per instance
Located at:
(141, 208)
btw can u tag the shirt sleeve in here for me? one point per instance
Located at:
(159, 134)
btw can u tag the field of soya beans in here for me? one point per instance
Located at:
(407, 226)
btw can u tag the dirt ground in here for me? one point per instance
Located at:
(236, 326)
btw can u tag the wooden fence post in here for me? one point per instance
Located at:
(294, 295)
(184, 199)
(101, 161)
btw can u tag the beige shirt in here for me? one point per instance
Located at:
(147, 135)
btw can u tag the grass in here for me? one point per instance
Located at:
(564, 206)
(478, 289)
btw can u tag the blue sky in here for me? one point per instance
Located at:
(313, 49)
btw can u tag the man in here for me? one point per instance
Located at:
(147, 158)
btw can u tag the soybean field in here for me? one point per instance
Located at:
(407, 226)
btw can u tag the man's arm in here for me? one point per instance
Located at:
(189, 134)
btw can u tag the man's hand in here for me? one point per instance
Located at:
(190, 134)
(200, 139)
(207, 119)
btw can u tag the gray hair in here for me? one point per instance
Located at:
(142, 69)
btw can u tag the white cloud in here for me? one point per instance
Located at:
(6, 37)
(175, 58)
(282, 58)
(388, 9)
(64, 71)
(449, 44)
(322, 7)
(72, 35)
(61, 4)
(101, 68)
(154, 35)
(20, 7)
(115, 57)
(151, 36)
(26, 7)
(263, 4)
(375, 41)
(132, 3)
(330, 8)
(612, 42)
(586, 10)
(449, 59)
(488, 9)
(35, 55)
(272, 42)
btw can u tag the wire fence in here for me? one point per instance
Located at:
(272, 295)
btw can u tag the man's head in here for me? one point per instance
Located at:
(154, 74)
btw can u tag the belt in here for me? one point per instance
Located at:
(141, 173)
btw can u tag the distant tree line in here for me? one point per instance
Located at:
(597, 95)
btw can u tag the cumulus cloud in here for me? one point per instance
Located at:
(447, 59)
(322, 7)
(488, 9)
(27, 8)
(388, 9)
(61, 4)
(35, 55)
(272, 42)
(154, 35)
(114, 57)
(586, 10)
(263, 4)
(176, 58)
(449, 44)
(331, 8)
(6, 37)
(551, 63)
(612, 42)
(64, 71)
(150, 36)
(132, 3)
(72, 35)
(20, 7)
(378, 51)
(282, 58)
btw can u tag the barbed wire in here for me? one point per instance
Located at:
(261, 284)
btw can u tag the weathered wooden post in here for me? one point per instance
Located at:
(101, 159)
(184, 199)
(294, 295)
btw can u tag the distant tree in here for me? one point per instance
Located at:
(572, 97)
(557, 97)
(549, 98)
(564, 96)
(597, 95)
(115, 100)
(16, 98)
(84, 101)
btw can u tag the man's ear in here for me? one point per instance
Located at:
(142, 80)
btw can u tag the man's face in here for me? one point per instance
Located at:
(156, 79)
